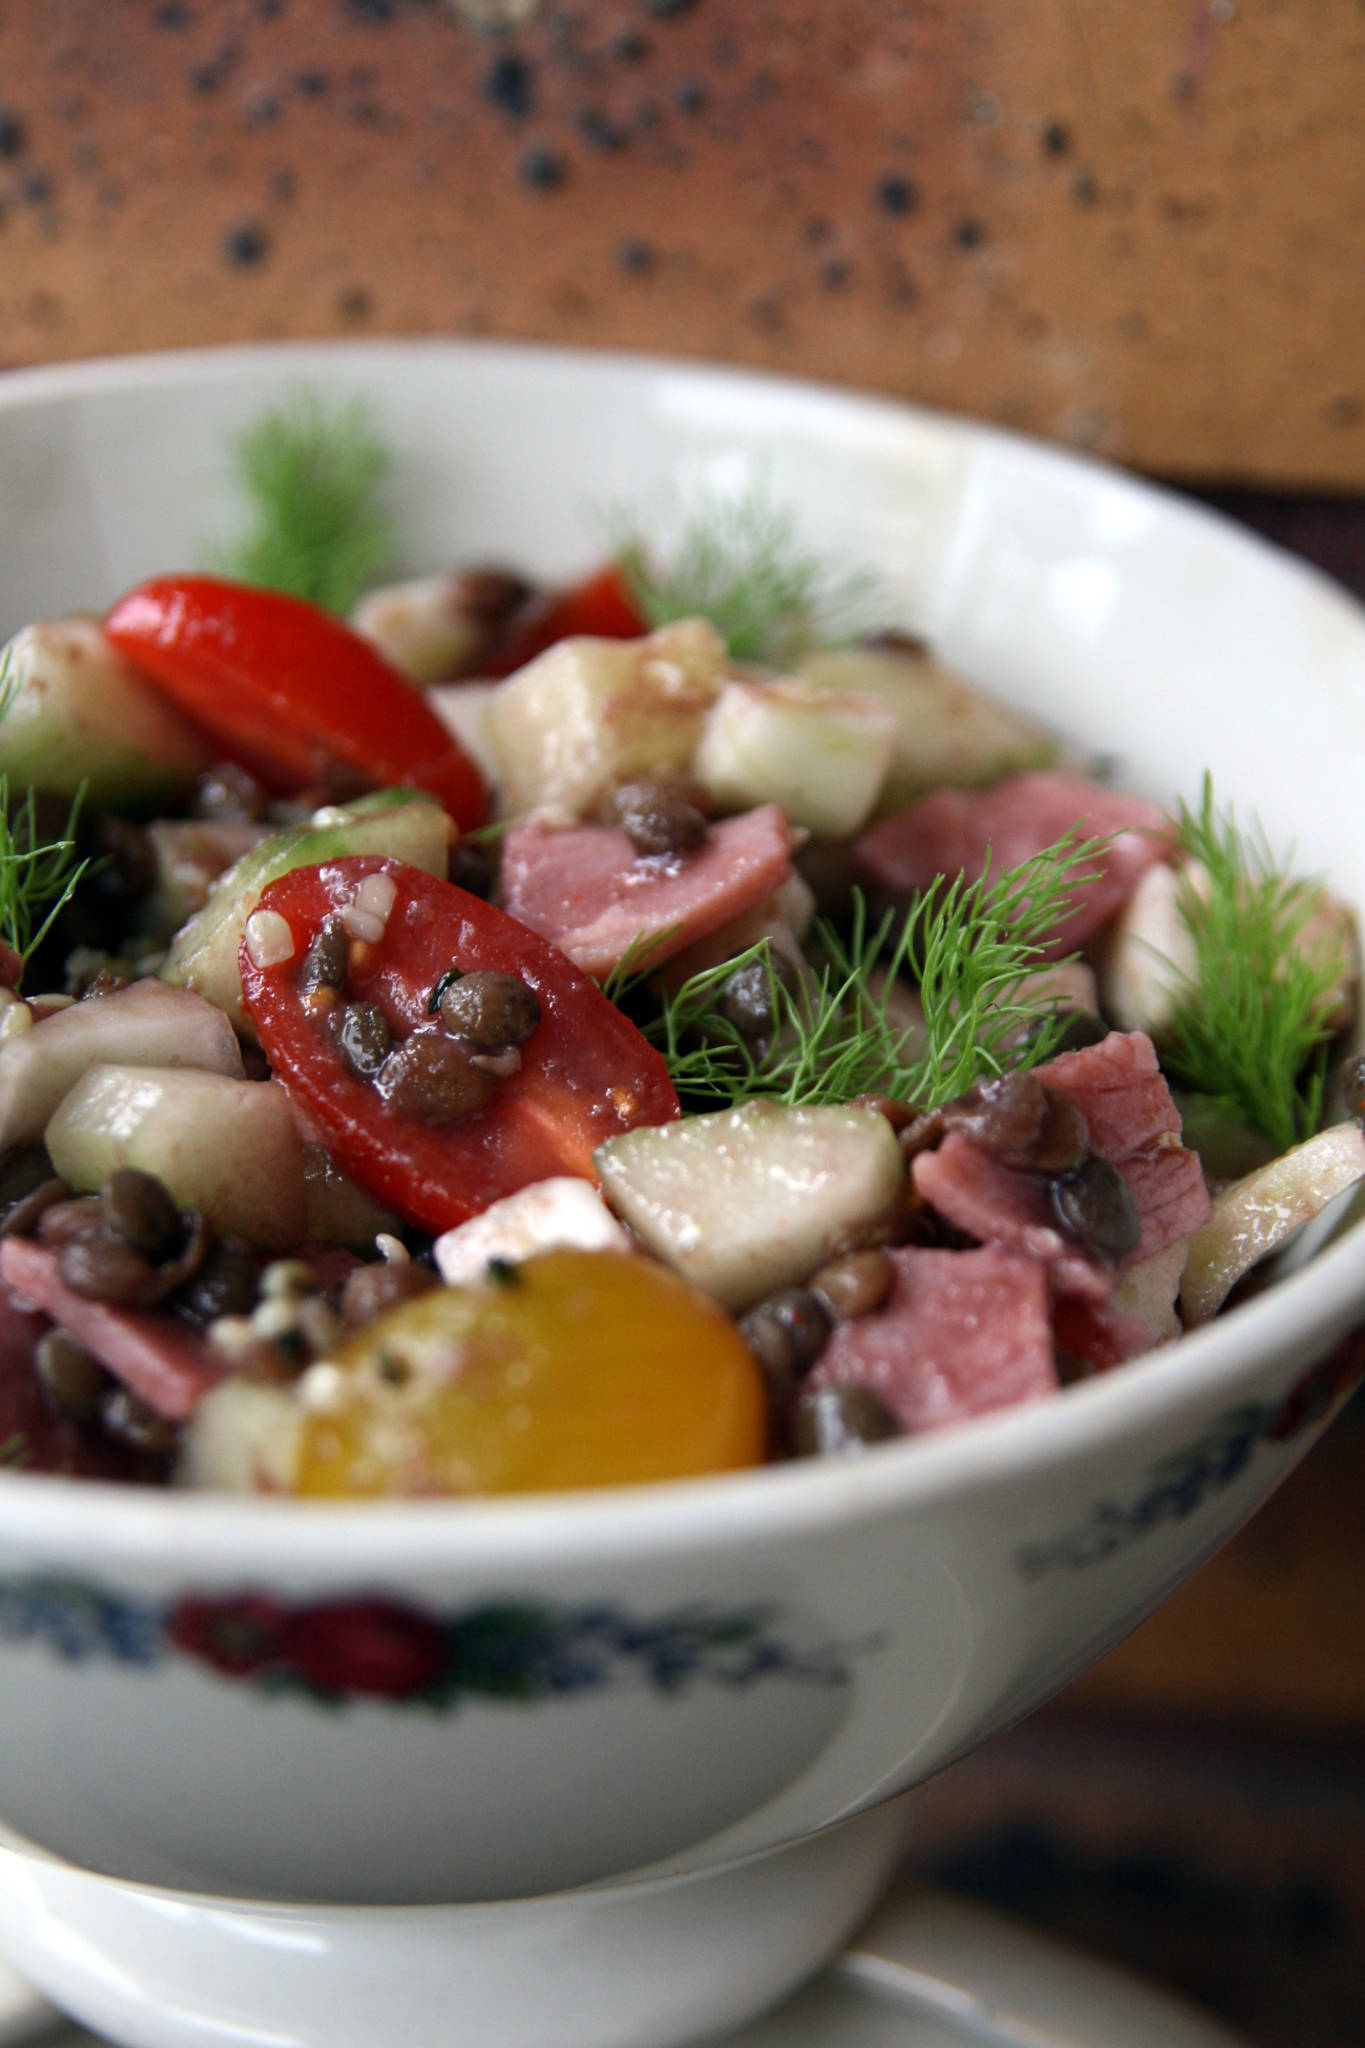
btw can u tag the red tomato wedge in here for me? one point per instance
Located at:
(602, 606)
(586, 1073)
(283, 687)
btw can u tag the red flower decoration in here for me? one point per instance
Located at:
(237, 1636)
(372, 1647)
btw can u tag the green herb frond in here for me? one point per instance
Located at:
(741, 563)
(37, 877)
(1252, 1024)
(837, 1032)
(312, 475)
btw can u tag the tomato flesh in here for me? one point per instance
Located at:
(285, 689)
(586, 1073)
(601, 606)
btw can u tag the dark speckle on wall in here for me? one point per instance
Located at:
(668, 10)
(969, 234)
(312, 84)
(1084, 189)
(13, 136)
(1056, 139)
(599, 131)
(630, 47)
(690, 96)
(246, 244)
(354, 303)
(510, 83)
(36, 187)
(635, 257)
(543, 170)
(896, 194)
(172, 15)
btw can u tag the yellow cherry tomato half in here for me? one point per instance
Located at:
(572, 1369)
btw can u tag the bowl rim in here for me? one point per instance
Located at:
(1302, 1315)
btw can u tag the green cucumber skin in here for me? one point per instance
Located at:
(81, 716)
(203, 955)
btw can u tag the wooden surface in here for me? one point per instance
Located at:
(1132, 228)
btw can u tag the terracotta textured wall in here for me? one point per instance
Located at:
(1133, 225)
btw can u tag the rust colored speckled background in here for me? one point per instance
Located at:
(1134, 227)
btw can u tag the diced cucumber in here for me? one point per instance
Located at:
(396, 822)
(81, 714)
(230, 1149)
(190, 855)
(420, 626)
(1254, 1216)
(242, 1438)
(755, 1198)
(146, 1024)
(589, 714)
(822, 754)
(947, 731)
(463, 710)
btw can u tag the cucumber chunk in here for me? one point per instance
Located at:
(396, 822)
(1254, 1216)
(81, 714)
(230, 1149)
(755, 1198)
(822, 754)
(146, 1024)
(947, 731)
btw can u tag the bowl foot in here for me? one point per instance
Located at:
(651, 1964)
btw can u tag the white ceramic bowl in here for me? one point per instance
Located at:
(498, 1700)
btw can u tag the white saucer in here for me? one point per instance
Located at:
(928, 1971)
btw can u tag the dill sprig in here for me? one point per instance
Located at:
(312, 475)
(1252, 1023)
(37, 877)
(741, 563)
(969, 945)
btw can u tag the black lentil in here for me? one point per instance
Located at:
(103, 1268)
(224, 1285)
(855, 1285)
(75, 1382)
(431, 1077)
(226, 792)
(488, 596)
(364, 1039)
(125, 858)
(1093, 1204)
(469, 868)
(68, 1222)
(491, 1009)
(327, 961)
(658, 816)
(840, 1421)
(135, 1422)
(786, 1334)
(137, 1211)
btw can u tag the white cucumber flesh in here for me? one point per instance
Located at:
(1255, 1216)
(752, 1199)
(228, 1148)
(822, 754)
(146, 1024)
